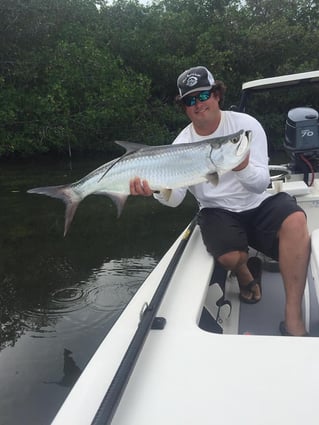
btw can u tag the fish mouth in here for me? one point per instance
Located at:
(243, 144)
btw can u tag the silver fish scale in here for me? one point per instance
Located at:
(167, 169)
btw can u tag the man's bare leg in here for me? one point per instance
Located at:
(294, 254)
(236, 261)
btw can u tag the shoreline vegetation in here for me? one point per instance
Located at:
(77, 75)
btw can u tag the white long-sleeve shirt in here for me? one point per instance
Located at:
(237, 190)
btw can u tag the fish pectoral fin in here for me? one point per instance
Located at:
(130, 146)
(213, 178)
(166, 194)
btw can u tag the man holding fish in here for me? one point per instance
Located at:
(238, 212)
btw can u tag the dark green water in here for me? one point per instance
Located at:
(60, 296)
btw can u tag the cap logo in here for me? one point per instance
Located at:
(191, 81)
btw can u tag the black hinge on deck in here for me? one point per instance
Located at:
(158, 323)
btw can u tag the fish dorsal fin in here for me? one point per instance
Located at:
(130, 146)
(130, 149)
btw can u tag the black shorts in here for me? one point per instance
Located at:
(225, 231)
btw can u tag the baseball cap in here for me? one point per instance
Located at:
(194, 79)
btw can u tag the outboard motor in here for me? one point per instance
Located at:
(302, 140)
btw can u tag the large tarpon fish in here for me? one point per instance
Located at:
(163, 167)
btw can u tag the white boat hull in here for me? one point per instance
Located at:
(186, 375)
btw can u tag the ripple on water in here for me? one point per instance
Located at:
(107, 290)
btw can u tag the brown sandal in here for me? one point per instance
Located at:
(254, 265)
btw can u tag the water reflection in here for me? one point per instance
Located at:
(60, 292)
(41, 272)
(107, 289)
(71, 371)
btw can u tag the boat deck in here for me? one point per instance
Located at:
(188, 374)
(262, 318)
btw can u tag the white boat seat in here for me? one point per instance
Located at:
(294, 188)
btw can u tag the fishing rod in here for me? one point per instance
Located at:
(105, 413)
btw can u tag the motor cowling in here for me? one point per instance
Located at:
(302, 131)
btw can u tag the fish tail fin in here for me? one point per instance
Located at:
(67, 195)
(70, 210)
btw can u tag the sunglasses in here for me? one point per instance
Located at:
(201, 96)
